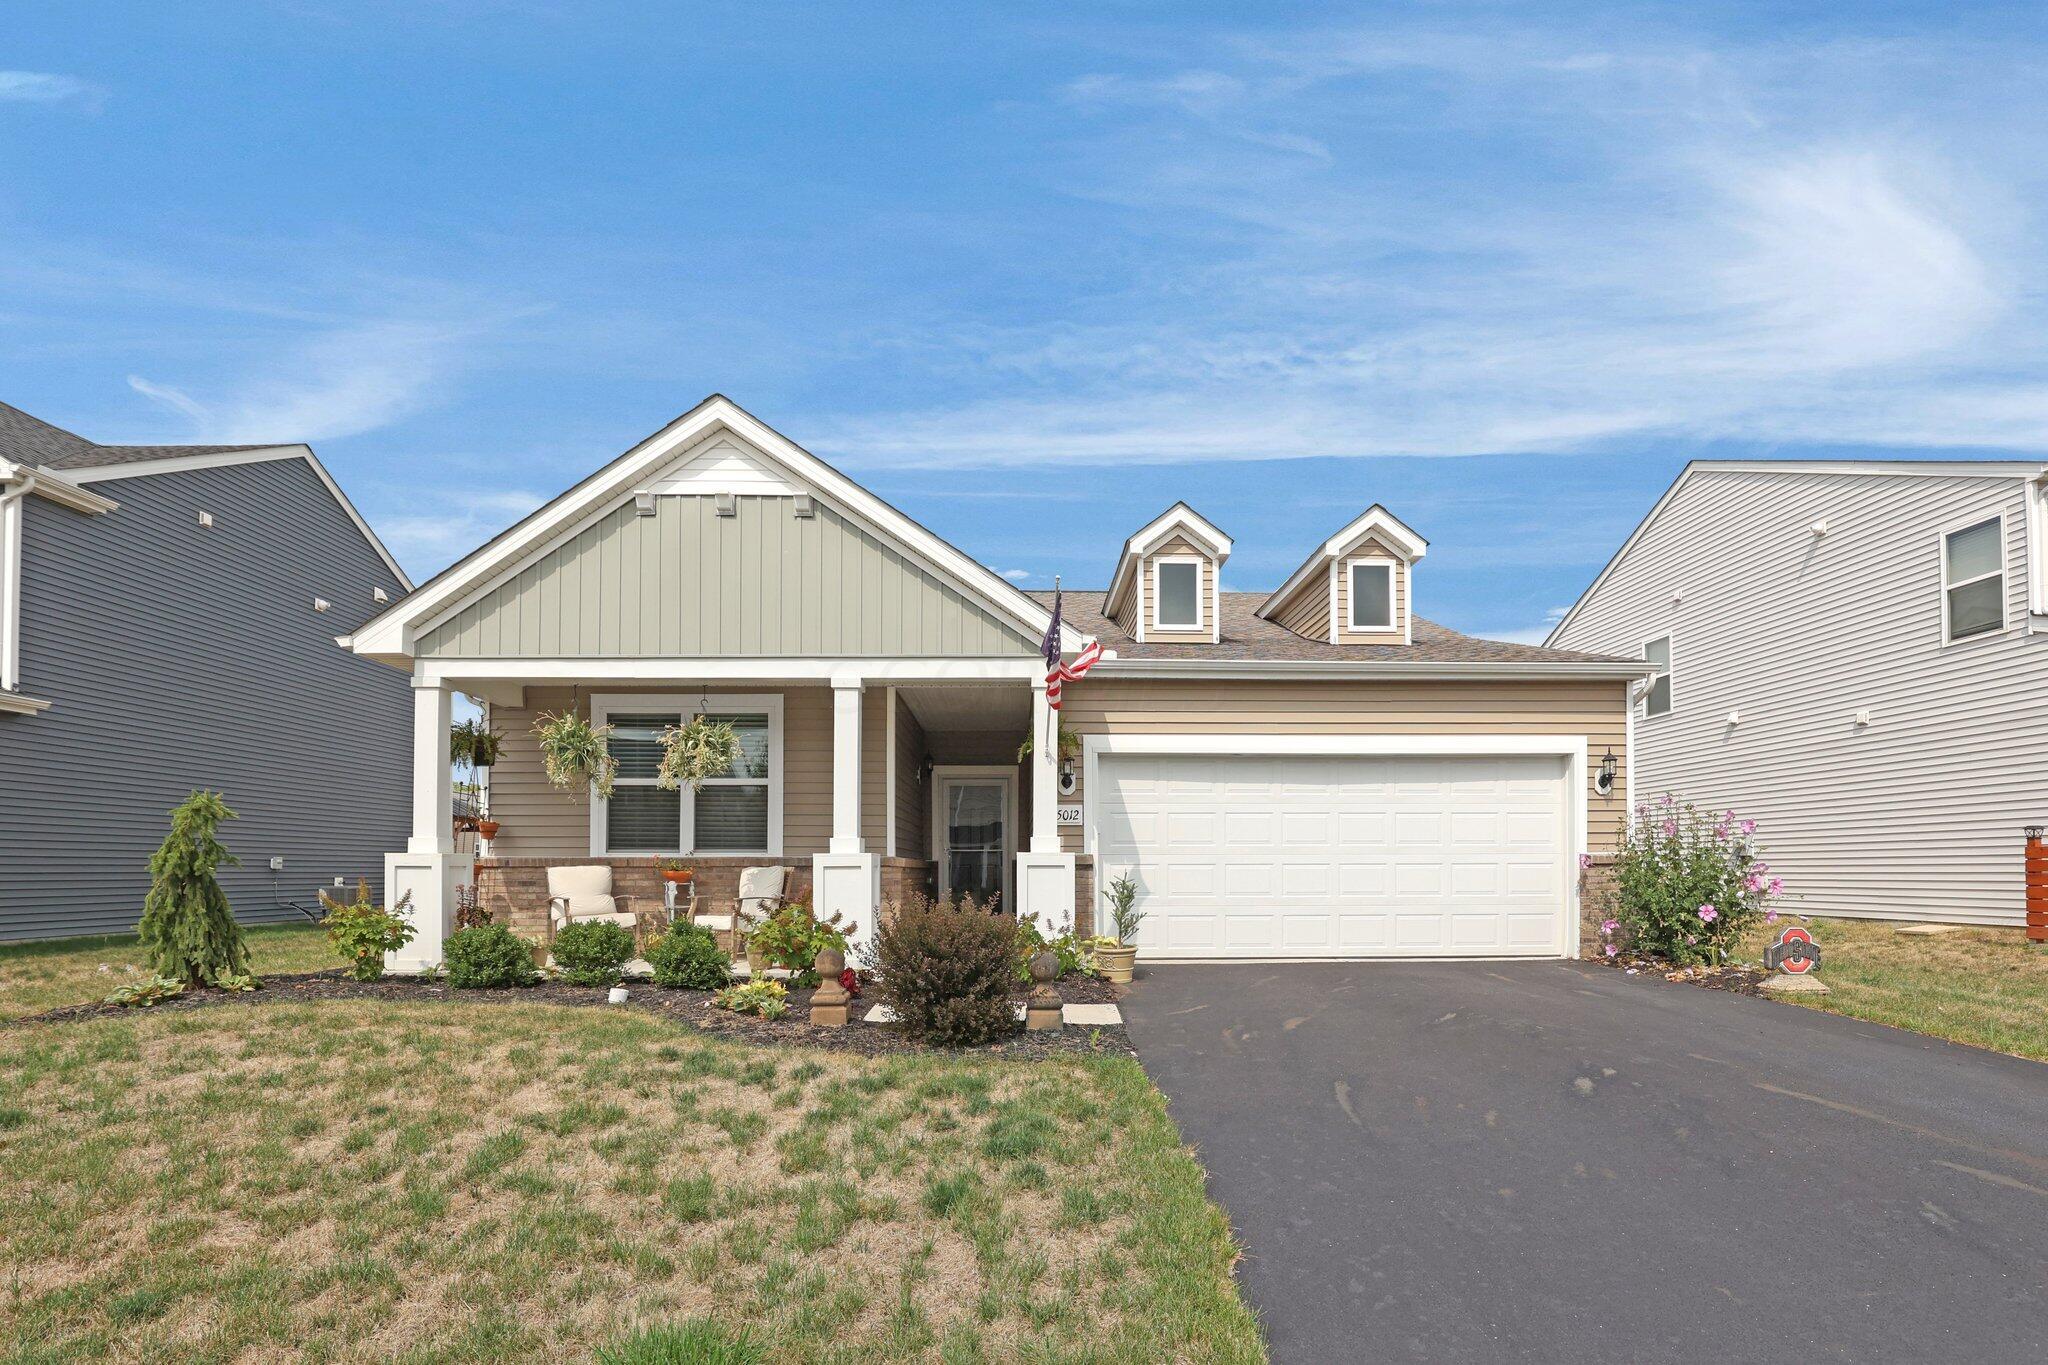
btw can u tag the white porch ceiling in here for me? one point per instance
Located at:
(970, 707)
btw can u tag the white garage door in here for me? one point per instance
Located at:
(1325, 856)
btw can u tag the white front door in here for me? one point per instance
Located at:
(1306, 855)
(973, 825)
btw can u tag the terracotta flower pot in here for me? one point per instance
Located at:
(488, 828)
(1116, 963)
(680, 877)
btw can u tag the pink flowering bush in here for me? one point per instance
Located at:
(1688, 884)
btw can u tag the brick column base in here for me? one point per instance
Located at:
(1598, 899)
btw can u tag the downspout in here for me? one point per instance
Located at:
(21, 483)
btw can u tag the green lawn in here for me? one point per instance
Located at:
(509, 1181)
(41, 976)
(1986, 987)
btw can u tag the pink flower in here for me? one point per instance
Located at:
(1667, 798)
(1770, 917)
(1612, 950)
(1585, 861)
(1690, 939)
(1777, 885)
(1749, 826)
(1753, 883)
(1709, 914)
(1671, 829)
(1608, 926)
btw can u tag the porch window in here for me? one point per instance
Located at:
(737, 812)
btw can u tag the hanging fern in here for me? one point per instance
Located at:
(575, 753)
(690, 753)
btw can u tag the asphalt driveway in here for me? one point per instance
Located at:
(1550, 1161)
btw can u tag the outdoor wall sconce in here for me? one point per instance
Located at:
(1069, 779)
(1603, 781)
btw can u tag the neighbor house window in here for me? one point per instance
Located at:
(737, 811)
(1372, 595)
(1973, 578)
(1657, 653)
(1177, 584)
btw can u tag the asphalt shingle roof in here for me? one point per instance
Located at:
(32, 441)
(1249, 636)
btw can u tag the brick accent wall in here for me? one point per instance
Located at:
(1596, 902)
(1084, 895)
(515, 890)
(903, 878)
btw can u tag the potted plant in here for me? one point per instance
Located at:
(474, 743)
(690, 753)
(1070, 745)
(1118, 961)
(792, 938)
(675, 870)
(574, 753)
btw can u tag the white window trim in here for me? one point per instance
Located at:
(685, 705)
(1201, 621)
(11, 517)
(1948, 635)
(1670, 675)
(1351, 567)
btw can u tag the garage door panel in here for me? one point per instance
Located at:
(1300, 856)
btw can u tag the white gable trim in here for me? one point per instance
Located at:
(1886, 469)
(392, 635)
(720, 466)
(1178, 518)
(1374, 521)
(228, 459)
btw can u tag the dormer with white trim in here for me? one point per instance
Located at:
(1354, 590)
(1167, 587)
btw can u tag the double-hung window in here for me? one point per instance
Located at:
(1177, 586)
(1372, 595)
(1657, 652)
(1973, 579)
(738, 811)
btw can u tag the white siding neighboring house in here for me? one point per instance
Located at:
(1848, 666)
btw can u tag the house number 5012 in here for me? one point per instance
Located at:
(1070, 815)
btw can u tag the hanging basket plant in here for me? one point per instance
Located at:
(574, 752)
(1070, 745)
(474, 743)
(690, 753)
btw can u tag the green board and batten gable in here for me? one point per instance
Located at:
(760, 580)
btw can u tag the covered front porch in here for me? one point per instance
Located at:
(870, 781)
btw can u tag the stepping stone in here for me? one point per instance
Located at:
(1923, 930)
(1784, 983)
(880, 1014)
(1091, 1016)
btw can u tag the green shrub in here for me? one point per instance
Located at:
(1076, 955)
(593, 952)
(1687, 884)
(769, 999)
(147, 991)
(947, 971)
(187, 928)
(363, 931)
(487, 956)
(688, 956)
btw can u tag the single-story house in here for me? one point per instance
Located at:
(1313, 772)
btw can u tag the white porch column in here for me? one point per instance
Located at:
(847, 880)
(1045, 875)
(428, 869)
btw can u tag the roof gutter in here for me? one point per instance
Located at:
(1617, 669)
(20, 481)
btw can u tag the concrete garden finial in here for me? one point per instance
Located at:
(1045, 1008)
(829, 1002)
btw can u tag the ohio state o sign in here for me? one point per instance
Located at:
(1794, 952)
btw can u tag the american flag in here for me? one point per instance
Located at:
(1056, 673)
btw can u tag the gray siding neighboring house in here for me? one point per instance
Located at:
(1815, 685)
(175, 655)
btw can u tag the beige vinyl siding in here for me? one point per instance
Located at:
(542, 821)
(1180, 547)
(1307, 613)
(1372, 549)
(687, 582)
(913, 812)
(1126, 614)
(1222, 707)
(1917, 815)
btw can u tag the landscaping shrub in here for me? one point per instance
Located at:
(148, 991)
(487, 956)
(1076, 955)
(769, 999)
(187, 927)
(1688, 884)
(688, 956)
(363, 931)
(793, 937)
(947, 970)
(593, 953)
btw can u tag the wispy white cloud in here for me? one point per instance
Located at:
(1531, 635)
(43, 87)
(1583, 243)
(443, 524)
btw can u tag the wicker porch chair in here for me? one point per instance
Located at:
(580, 894)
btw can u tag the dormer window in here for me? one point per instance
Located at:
(1372, 594)
(1178, 585)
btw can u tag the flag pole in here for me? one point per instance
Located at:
(1052, 717)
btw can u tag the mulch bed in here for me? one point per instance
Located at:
(1740, 978)
(691, 1008)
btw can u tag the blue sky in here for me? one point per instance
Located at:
(1034, 271)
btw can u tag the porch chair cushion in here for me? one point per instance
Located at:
(580, 893)
(762, 891)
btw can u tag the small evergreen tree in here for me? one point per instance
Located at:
(187, 928)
